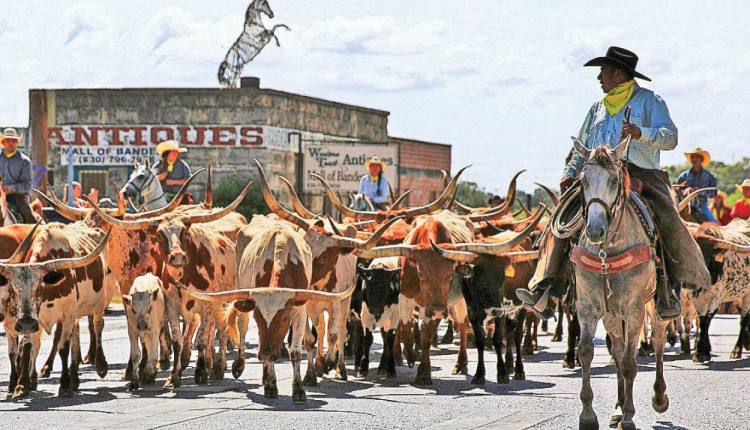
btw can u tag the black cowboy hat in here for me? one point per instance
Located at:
(619, 58)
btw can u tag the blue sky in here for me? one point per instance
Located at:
(499, 80)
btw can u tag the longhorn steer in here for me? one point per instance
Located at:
(64, 279)
(274, 268)
(726, 251)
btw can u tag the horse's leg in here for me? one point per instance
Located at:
(659, 400)
(629, 369)
(587, 418)
(614, 326)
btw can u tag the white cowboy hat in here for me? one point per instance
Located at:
(11, 133)
(169, 145)
(698, 151)
(375, 160)
(745, 184)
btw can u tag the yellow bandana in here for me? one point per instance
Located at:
(616, 99)
(170, 167)
(373, 179)
(11, 154)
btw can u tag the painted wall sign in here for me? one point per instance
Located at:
(342, 165)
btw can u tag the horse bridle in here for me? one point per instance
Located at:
(611, 210)
(145, 185)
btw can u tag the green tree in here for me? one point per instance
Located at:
(471, 194)
(230, 187)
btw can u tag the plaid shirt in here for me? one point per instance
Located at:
(648, 111)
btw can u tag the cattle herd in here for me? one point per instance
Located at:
(193, 275)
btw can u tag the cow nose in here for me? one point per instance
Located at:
(177, 259)
(27, 325)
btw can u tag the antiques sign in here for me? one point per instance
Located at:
(121, 145)
(344, 165)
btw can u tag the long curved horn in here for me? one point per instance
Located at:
(446, 177)
(208, 201)
(504, 208)
(171, 206)
(221, 296)
(365, 224)
(390, 192)
(345, 210)
(462, 207)
(121, 206)
(460, 256)
(66, 211)
(581, 148)
(248, 293)
(440, 202)
(552, 194)
(23, 248)
(70, 263)
(686, 201)
(274, 205)
(213, 216)
(500, 248)
(400, 250)
(399, 200)
(298, 206)
(521, 256)
(348, 242)
(725, 244)
(320, 296)
(524, 209)
(137, 224)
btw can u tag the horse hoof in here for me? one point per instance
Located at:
(478, 380)
(46, 371)
(630, 425)
(660, 407)
(271, 392)
(519, 376)
(588, 424)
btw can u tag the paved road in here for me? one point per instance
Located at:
(711, 396)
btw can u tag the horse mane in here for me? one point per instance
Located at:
(603, 156)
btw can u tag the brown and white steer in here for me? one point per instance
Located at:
(199, 252)
(333, 270)
(64, 279)
(145, 301)
(274, 268)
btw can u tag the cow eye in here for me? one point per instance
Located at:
(53, 278)
(3, 281)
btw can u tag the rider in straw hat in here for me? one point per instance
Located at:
(15, 168)
(627, 109)
(742, 206)
(697, 177)
(173, 171)
(374, 185)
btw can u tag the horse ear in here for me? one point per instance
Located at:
(581, 148)
(136, 164)
(148, 164)
(622, 148)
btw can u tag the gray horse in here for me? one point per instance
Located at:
(616, 289)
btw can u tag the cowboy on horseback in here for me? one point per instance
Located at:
(627, 110)
(172, 170)
(15, 174)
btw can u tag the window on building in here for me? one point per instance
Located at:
(93, 179)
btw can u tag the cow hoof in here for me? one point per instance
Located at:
(588, 424)
(685, 347)
(102, 367)
(381, 370)
(133, 386)
(556, 338)
(568, 364)
(503, 379)
(65, 392)
(423, 380)
(20, 391)
(660, 407)
(527, 350)
(298, 395)
(519, 376)
(615, 419)
(86, 359)
(237, 368)
(509, 367)
(478, 380)
(163, 364)
(341, 374)
(46, 371)
(201, 376)
(736, 353)
(173, 381)
(310, 381)
(127, 374)
(391, 374)
(629, 425)
(362, 373)
(319, 371)
(701, 358)
(217, 372)
(464, 370)
(270, 392)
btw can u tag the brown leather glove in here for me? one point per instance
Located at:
(565, 183)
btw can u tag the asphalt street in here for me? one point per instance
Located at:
(703, 396)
